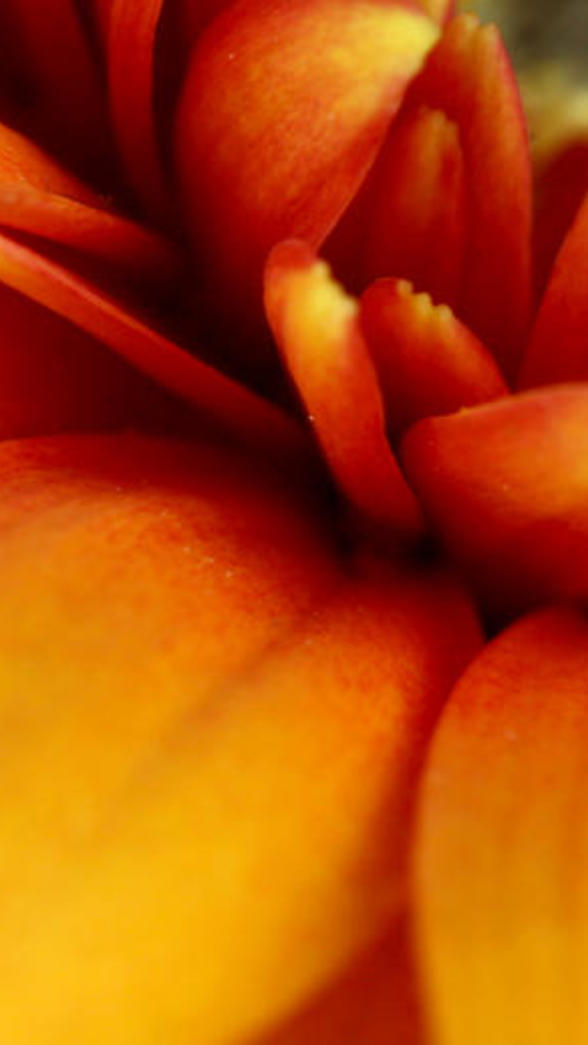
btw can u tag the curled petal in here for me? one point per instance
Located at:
(317, 329)
(284, 108)
(506, 485)
(214, 737)
(558, 348)
(428, 362)
(469, 76)
(254, 421)
(502, 844)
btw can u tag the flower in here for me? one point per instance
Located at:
(288, 757)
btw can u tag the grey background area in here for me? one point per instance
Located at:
(539, 30)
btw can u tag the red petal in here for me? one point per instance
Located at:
(214, 737)
(561, 188)
(247, 416)
(408, 219)
(470, 77)
(507, 486)
(427, 361)
(558, 349)
(502, 849)
(317, 329)
(285, 106)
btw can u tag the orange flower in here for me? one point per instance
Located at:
(226, 819)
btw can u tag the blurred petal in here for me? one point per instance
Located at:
(316, 326)
(562, 184)
(375, 1003)
(427, 361)
(502, 845)
(284, 108)
(506, 485)
(558, 349)
(238, 411)
(213, 740)
(469, 76)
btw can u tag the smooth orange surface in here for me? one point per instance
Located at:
(211, 738)
(502, 843)
(316, 326)
(506, 486)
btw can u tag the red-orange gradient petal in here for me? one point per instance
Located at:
(408, 219)
(469, 75)
(255, 421)
(213, 740)
(506, 485)
(376, 1002)
(37, 196)
(56, 378)
(502, 845)
(132, 30)
(558, 348)
(316, 326)
(284, 108)
(427, 361)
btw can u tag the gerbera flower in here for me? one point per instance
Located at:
(294, 528)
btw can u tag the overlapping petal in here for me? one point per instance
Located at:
(502, 845)
(213, 741)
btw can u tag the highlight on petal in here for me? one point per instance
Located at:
(506, 485)
(239, 412)
(318, 332)
(214, 738)
(468, 75)
(408, 220)
(558, 348)
(132, 30)
(502, 844)
(284, 108)
(39, 197)
(427, 361)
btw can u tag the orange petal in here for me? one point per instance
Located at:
(427, 361)
(506, 485)
(213, 740)
(469, 76)
(239, 412)
(375, 1003)
(317, 329)
(284, 108)
(132, 31)
(558, 349)
(408, 219)
(39, 197)
(502, 846)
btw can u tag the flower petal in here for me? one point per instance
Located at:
(238, 411)
(506, 484)
(558, 348)
(317, 329)
(427, 361)
(502, 845)
(284, 108)
(213, 739)
(469, 76)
